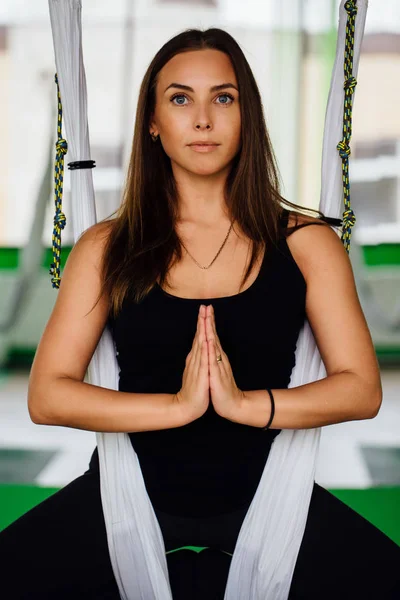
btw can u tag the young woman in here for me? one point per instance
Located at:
(206, 293)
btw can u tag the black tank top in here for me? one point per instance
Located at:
(211, 465)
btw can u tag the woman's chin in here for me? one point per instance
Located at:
(205, 168)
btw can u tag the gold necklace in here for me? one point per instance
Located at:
(216, 256)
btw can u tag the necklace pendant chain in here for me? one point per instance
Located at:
(215, 257)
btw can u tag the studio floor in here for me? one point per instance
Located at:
(359, 461)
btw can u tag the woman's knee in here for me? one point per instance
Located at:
(60, 542)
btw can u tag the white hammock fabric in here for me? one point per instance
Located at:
(269, 540)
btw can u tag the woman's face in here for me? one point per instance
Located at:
(184, 116)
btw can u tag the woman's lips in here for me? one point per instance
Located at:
(203, 147)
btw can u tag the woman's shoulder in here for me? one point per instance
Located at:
(98, 233)
(88, 252)
(315, 247)
(92, 243)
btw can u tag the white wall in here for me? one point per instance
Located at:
(33, 91)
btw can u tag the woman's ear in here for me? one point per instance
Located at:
(153, 126)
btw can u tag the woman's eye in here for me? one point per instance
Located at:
(182, 96)
(178, 96)
(226, 96)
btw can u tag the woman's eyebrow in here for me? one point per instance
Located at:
(214, 88)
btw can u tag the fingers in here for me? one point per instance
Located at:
(204, 357)
(201, 330)
(199, 336)
(216, 367)
(195, 346)
(201, 353)
(212, 321)
(214, 345)
(202, 343)
(205, 331)
(212, 331)
(196, 335)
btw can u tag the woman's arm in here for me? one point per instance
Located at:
(352, 389)
(81, 405)
(57, 394)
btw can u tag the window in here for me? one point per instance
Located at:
(192, 2)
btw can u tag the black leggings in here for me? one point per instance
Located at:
(59, 550)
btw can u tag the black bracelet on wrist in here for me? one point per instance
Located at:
(272, 409)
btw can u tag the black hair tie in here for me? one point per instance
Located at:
(272, 409)
(81, 164)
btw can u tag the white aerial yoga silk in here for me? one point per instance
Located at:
(269, 540)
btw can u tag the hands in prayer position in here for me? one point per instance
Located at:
(204, 377)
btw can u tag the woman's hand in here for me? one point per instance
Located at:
(194, 395)
(225, 395)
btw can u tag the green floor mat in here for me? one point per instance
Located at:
(15, 500)
(380, 505)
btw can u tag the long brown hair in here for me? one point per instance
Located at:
(142, 241)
